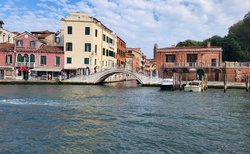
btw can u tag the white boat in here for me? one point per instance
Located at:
(194, 86)
(166, 84)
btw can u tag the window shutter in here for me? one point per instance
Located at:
(21, 43)
(16, 43)
(89, 47)
(11, 59)
(6, 59)
(67, 47)
(44, 60)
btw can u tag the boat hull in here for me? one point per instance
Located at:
(166, 87)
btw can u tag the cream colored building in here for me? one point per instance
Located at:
(87, 43)
(139, 59)
(6, 36)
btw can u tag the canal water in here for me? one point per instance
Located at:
(122, 118)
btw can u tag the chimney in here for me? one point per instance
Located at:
(208, 44)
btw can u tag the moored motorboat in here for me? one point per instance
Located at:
(166, 84)
(194, 86)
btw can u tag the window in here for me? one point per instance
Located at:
(95, 61)
(107, 39)
(32, 58)
(57, 39)
(69, 60)
(95, 49)
(214, 62)
(110, 40)
(107, 52)
(43, 60)
(19, 43)
(86, 60)
(129, 51)
(96, 33)
(69, 29)
(87, 47)
(19, 58)
(170, 58)
(8, 59)
(26, 58)
(104, 37)
(32, 43)
(191, 58)
(57, 60)
(103, 52)
(87, 30)
(68, 46)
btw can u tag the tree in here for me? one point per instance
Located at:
(189, 43)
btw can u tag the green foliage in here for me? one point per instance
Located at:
(189, 43)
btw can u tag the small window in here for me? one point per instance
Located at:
(68, 46)
(87, 47)
(104, 37)
(8, 59)
(95, 49)
(86, 60)
(103, 52)
(96, 32)
(19, 58)
(107, 39)
(69, 29)
(87, 30)
(57, 60)
(95, 61)
(32, 44)
(43, 60)
(57, 39)
(69, 60)
(107, 52)
(19, 43)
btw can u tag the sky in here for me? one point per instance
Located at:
(140, 23)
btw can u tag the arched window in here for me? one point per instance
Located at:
(32, 58)
(26, 58)
(19, 58)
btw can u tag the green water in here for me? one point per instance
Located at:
(122, 118)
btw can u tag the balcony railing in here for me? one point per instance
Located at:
(174, 65)
(23, 64)
(236, 64)
(111, 45)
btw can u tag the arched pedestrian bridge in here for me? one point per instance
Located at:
(99, 77)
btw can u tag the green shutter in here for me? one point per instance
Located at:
(44, 60)
(89, 47)
(57, 60)
(16, 43)
(67, 47)
(86, 47)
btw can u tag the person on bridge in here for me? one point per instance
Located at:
(95, 69)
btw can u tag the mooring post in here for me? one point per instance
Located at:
(206, 86)
(225, 82)
(247, 83)
(180, 86)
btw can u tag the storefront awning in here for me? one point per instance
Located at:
(47, 69)
(23, 69)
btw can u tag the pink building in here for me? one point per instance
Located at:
(30, 59)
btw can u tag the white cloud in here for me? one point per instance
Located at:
(140, 23)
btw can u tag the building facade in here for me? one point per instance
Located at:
(30, 59)
(5, 35)
(137, 58)
(121, 49)
(87, 44)
(193, 62)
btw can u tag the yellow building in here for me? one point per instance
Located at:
(87, 43)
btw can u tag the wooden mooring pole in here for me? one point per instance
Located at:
(247, 83)
(225, 82)
(180, 86)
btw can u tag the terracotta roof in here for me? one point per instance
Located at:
(179, 48)
(42, 32)
(51, 48)
(133, 48)
(41, 36)
(16, 33)
(7, 46)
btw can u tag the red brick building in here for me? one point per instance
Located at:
(121, 49)
(190, 61)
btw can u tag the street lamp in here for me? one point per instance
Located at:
(26, 76)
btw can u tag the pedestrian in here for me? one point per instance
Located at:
(95, 69)
(197, 76)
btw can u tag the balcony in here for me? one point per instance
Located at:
(23, 64)
(236, 64)
(193, 65)
(112, 46)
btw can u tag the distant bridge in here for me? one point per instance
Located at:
(99, 77)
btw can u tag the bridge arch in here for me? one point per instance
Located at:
(105, 74)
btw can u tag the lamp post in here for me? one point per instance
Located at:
(26, 76)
